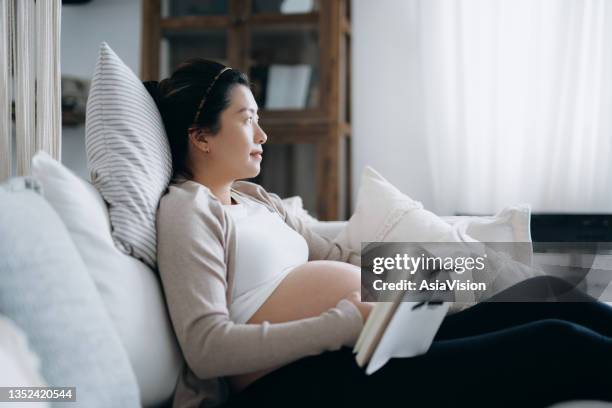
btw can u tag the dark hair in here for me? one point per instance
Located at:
(179, 97)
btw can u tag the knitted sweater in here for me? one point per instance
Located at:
(196, 259)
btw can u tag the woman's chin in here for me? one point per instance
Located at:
(253, 171)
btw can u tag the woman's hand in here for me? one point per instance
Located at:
(364, 307)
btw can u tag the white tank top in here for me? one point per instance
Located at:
(267, 249)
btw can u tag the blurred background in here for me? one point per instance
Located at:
(464, 105)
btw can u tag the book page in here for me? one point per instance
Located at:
(381, 315)
(409, 333)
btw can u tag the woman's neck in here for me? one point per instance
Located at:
(221, 190)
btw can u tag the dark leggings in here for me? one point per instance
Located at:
(490, 355)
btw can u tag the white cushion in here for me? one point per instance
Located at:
(128, 154)
(46, 290)
(510, 224)
(20, 365)
(385, 214)
(295, 206)
(130, 290)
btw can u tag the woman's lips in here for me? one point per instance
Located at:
(256, 155)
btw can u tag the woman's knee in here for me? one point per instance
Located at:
(558, 284)
(549, 280)
(556, 331)
(545, 287)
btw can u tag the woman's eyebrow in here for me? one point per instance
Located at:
(246, 109)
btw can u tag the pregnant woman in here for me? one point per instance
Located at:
(266, 311)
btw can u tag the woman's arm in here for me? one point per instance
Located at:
(192, 260)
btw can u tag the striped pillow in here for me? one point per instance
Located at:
(128, 154)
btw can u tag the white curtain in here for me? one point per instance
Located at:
(6, 48)
(516, 100)
(29, 75)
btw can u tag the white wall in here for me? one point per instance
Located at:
(84, 27)
(383, 65)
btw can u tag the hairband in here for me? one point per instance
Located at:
(197, 115)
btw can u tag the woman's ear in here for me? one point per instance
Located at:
(199, 140)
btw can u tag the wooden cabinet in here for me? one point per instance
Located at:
(299, 62)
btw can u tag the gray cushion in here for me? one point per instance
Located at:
(46, 290)
(128, 154)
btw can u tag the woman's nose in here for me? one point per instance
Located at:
(260, 135)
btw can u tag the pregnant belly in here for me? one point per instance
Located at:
(307, 291)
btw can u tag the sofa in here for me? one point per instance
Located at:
(65, 320)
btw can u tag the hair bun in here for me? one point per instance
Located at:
(154, 90)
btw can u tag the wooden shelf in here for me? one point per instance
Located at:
(256, 20)
(345, 26)
(282, 19)
(297, 116)
(189, 23)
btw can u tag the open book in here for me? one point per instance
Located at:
(398, 329)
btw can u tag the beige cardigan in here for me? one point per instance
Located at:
(196, 251)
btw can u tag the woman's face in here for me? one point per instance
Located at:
(236, 150)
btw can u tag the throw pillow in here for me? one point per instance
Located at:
(385, 214)
(130, 290)
(46, 290)
(380, 207)
(20, 366)
(128, 155)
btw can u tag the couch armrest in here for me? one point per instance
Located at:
(331, 229)
(328, 229)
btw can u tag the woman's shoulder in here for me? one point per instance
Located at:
(188, 192)
(187, 199)
(256, 192)
(249, 188)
